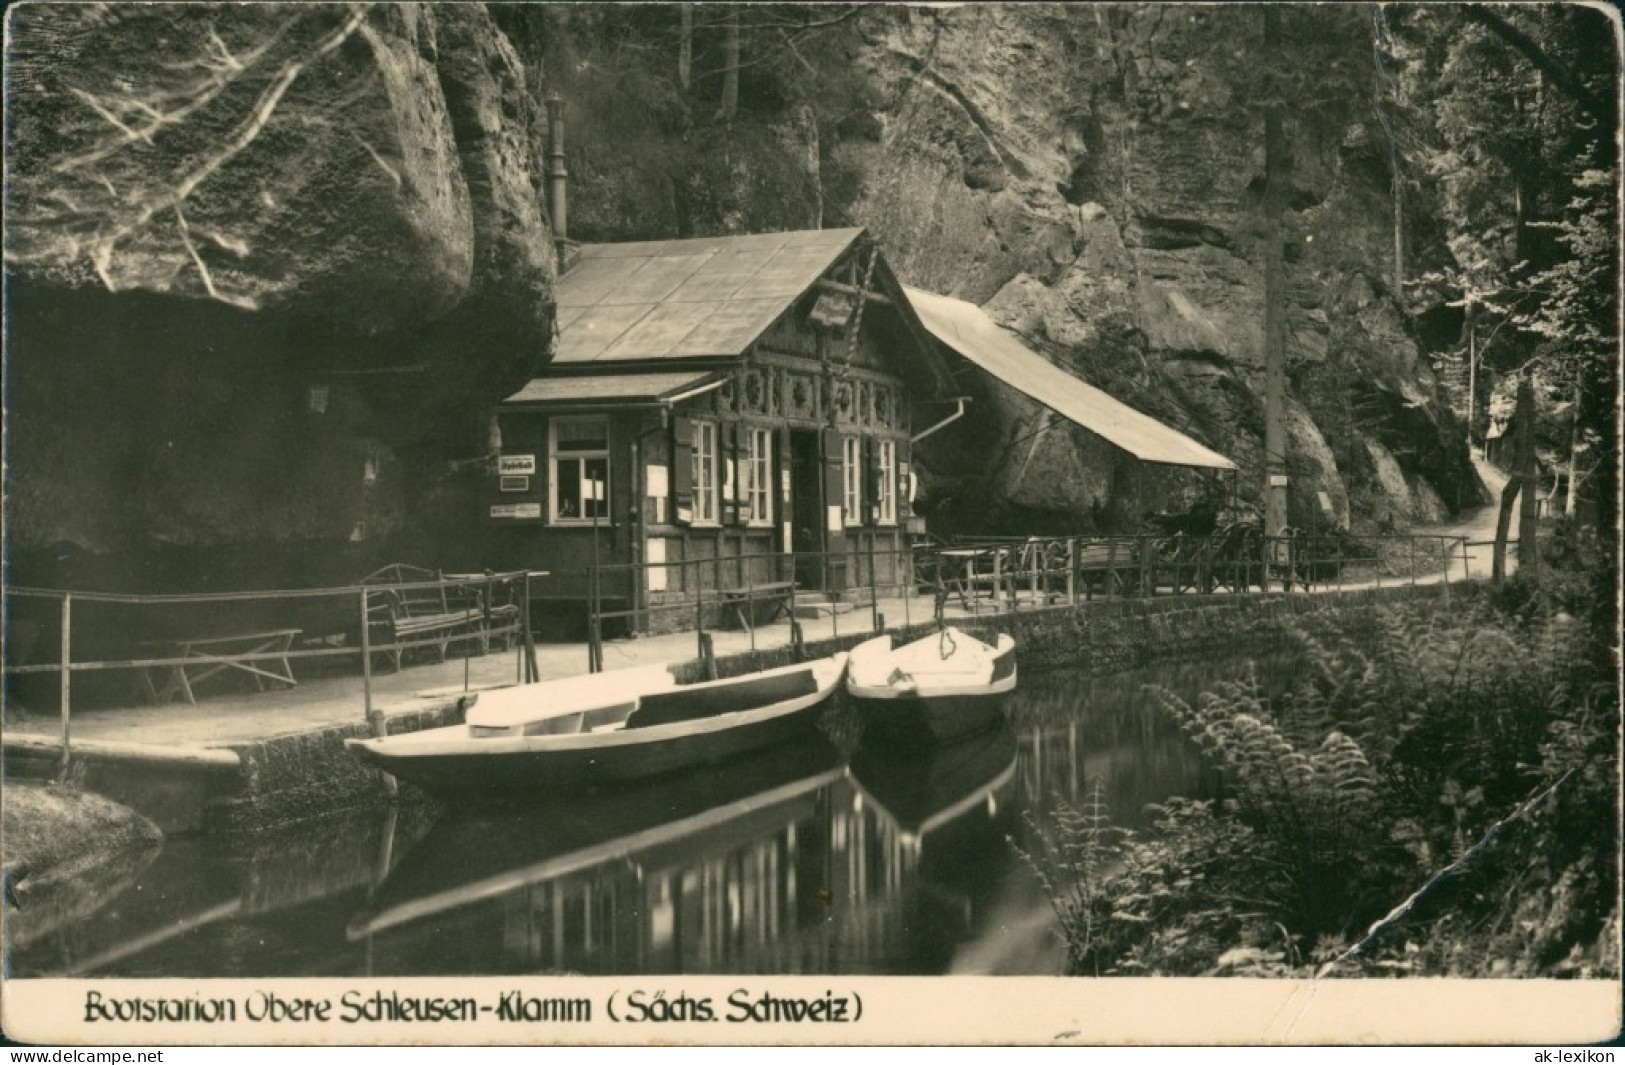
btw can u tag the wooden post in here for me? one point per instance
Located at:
(824, 563)
(1072, 570)
(592, 617)
(790, 558)
(67, 684)
(908, 582)
(699, 617)
(1410, 557)
(750, 604)
(375, 719)
(366, 659)
(708, 656)
(1446, 569)
(528, 643)
(874, 586)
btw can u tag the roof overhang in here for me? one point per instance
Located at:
(614, 391)
(966, 328)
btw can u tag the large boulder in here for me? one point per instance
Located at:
(268, 267)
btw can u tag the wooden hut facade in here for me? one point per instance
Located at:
(720, 414)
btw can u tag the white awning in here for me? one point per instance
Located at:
(966, 329)
(614, 390)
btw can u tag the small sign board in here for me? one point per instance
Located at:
(1277, 480)
(509, 464)
(514, 484)
(517, 511)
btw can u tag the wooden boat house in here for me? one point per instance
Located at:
(720, 413)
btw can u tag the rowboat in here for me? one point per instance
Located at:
(940, 688)
(604, 728)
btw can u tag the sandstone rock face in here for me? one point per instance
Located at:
(1087, 175)
(305, 350)
(269, 266)
(1090, 175)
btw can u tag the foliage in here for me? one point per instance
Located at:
(1409, 739)
(1509, 113)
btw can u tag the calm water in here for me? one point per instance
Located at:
(798, 860)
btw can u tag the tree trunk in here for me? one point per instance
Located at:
(685, 44)
(730, 70)
(1503, 524)
(1522, 478)
(1472, 372)
(1570, 500)
(1275, 475)
(1529, 513)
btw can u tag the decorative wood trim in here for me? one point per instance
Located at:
(844, 289)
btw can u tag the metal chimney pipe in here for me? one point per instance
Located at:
(557, 174)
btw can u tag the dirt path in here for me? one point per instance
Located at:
(1478, 525)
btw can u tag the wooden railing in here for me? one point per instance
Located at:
(1007, 574)
(196, 643)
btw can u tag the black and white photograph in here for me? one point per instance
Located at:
(812, 523)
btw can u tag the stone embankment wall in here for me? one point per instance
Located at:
(1124, 633)
(305, 775)
(310, 774)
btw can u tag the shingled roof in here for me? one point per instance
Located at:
(705, 298)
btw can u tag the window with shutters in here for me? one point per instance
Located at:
(704, 457)
(852, 480)
(759, 475)
(886, 482)
(578, 451)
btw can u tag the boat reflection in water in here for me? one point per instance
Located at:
(785, 862)
(941, 819)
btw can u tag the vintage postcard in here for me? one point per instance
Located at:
(811, 524)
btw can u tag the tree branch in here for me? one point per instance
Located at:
(1399, 912)
(1532, 51)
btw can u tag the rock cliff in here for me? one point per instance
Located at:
(1088, 174)
(267, 268)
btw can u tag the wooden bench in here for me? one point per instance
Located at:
(260, 655)
(759, 604)
(1113, 565)
(413, 607)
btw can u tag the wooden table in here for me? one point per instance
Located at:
(966, 582)
(746, 602)
(261, 655)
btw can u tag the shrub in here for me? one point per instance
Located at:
(1407, 741)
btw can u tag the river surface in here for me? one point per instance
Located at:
(797, 860)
